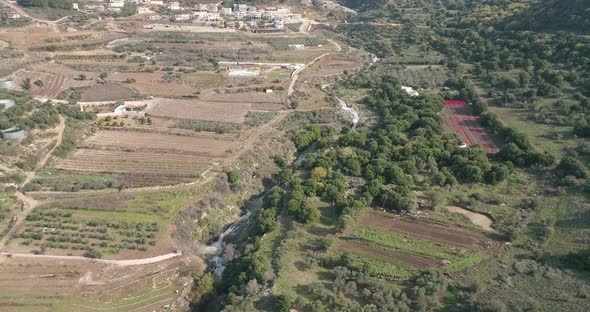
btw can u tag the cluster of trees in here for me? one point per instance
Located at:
(373, 294)
(56, 4)
(28, 114)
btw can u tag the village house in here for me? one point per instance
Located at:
(174, 6)
(226, 12)
(116, 3)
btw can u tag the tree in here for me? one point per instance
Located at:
(38, 83)
(103, 75)
(282, 303)
(302, 212)
(570, 166)
(318, 173)
(233, 176)
(92, 253)
(265, 221)
(128, 9)
(26, 84)
(82, 77)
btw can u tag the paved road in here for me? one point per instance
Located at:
(122, 263)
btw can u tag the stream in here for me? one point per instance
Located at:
(353, 113)
(216, 248)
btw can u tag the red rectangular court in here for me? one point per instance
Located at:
(459, 120)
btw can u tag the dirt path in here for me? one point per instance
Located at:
(296, 73)
(122, 263)
(30, 203)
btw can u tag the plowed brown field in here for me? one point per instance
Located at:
(426, 230)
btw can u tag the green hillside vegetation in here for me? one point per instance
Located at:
(537, 193)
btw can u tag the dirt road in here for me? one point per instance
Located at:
(121, 263)
(296, 73)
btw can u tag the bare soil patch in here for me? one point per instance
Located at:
(200, 110)
(147, 154)
(30, 284)
(476, 218)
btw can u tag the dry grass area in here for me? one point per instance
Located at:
(154, 84)
(107, 92)
(39, 38)
(147, 153)
(229, 111)
(303, 56)
(258, 100)
(205, 80)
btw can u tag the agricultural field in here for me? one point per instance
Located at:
(147, 154)
(155, 84)
(233, 112)
(107, 92)
(49, 85)
(399, 246)
(459, 120)
(101, 225)
(49, 285)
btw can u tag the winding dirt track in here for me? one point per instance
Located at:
(296, 73)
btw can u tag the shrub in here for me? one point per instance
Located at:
(282, 303)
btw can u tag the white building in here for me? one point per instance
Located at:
(145, 10)
(174, 6)
(278, 23)
(212, 8)
(182, 17)
(239, 15)
(240, 7)
(75, 7)
(226, 12)
(116, 3)
(90, 8)
(254, 15)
